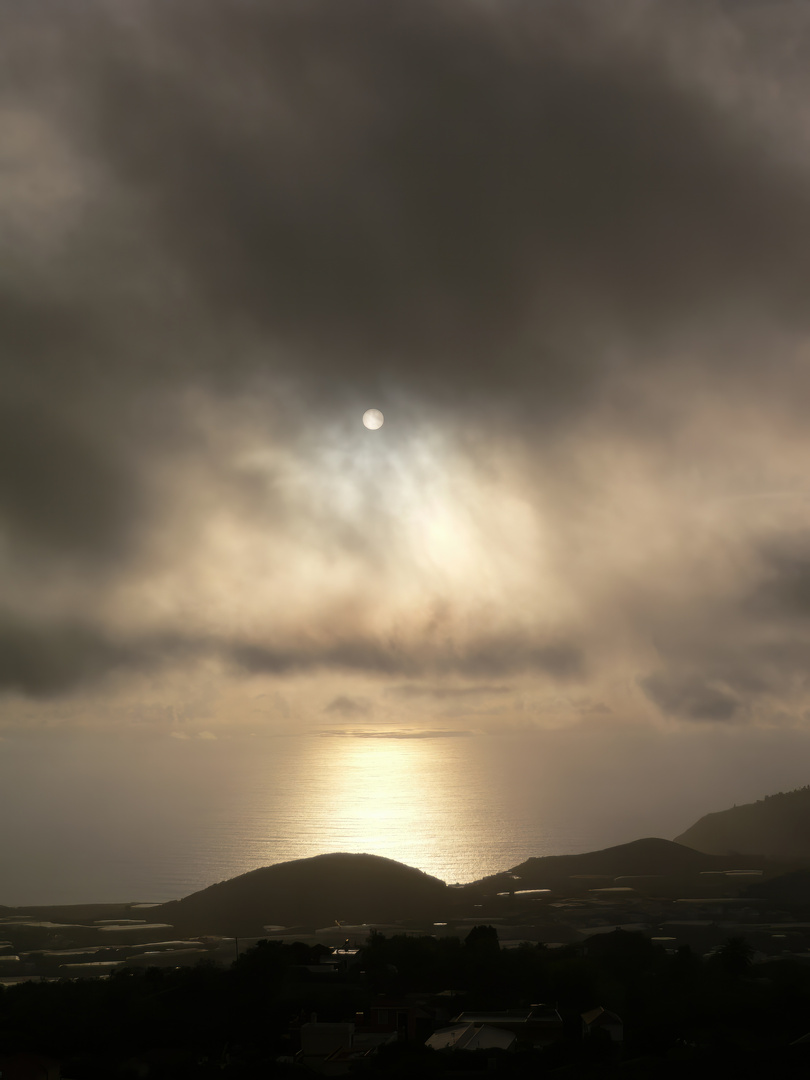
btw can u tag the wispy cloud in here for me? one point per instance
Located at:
(348, 706)
(413, 733)
(444, 693)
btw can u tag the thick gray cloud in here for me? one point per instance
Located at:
(64, 489)
(46, 659)
(61, 657)
(483, 655)
(548, 227)
(692, 699)
(455, 198)
(738, 656)
(785, 589)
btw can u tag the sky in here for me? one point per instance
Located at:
(563, 246)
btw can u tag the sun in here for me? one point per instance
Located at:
(373, 419)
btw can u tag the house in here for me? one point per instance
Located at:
(347, 1059)
(337, 1049)
(410, 1019)
(539, 1025)
(472, 1037)
(600, 1019)
(318, 1040)
(342, 960)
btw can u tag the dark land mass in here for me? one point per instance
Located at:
(293, 1010)
(777, 827)
(366, 888)
(316, 892)
(619, 1003)
(650, 856)
(790, 890)
(651, 867)
(327, 890)
(697, 959)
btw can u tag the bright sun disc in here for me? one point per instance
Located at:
(373, 419)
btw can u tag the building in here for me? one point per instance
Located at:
(539, 1025)
(600, 1019)
(472, 1037)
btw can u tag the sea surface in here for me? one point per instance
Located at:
(91, 819)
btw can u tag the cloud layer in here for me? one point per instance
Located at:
(565, 250)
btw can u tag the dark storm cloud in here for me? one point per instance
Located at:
(48, 659)
(747, 674)
(448, 199)
(726, 659)
(67, 485)
(691, 698)
(484, 655)
(64, 488)
(440, 192)
(513, 208)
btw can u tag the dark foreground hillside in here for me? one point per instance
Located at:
(293, 1010)
(314, 892)
(777, 827)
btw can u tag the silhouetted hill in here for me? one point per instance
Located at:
(368, 888)
(316, 892)
(655, 866)
(777, 827)
(640, 857)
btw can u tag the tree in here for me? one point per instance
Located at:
(483, 940)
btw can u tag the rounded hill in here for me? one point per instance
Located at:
(315, 891)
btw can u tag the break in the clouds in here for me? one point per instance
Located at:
(565, 247)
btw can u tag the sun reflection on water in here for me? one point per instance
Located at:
(391, 796)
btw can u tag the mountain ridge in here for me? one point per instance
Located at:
(349, 888)
(649, 855)
(771, 835)
(775, 827)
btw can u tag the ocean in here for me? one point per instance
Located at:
(115, 819)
